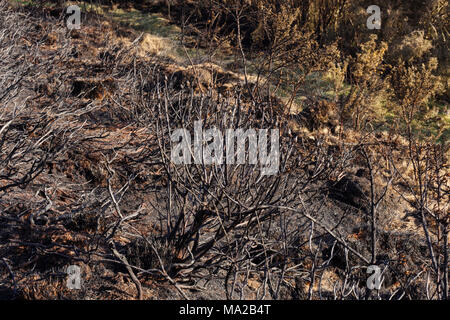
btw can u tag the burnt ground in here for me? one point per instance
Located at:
(86, 131)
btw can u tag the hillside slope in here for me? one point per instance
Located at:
(86, 179)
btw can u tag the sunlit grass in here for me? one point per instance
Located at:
(315, 85)
(31, 3)
(145, 22)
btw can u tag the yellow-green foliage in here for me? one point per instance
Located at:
(414, 85)
(412, 46)
(367, 64)
(276, 25)
(362, 102)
